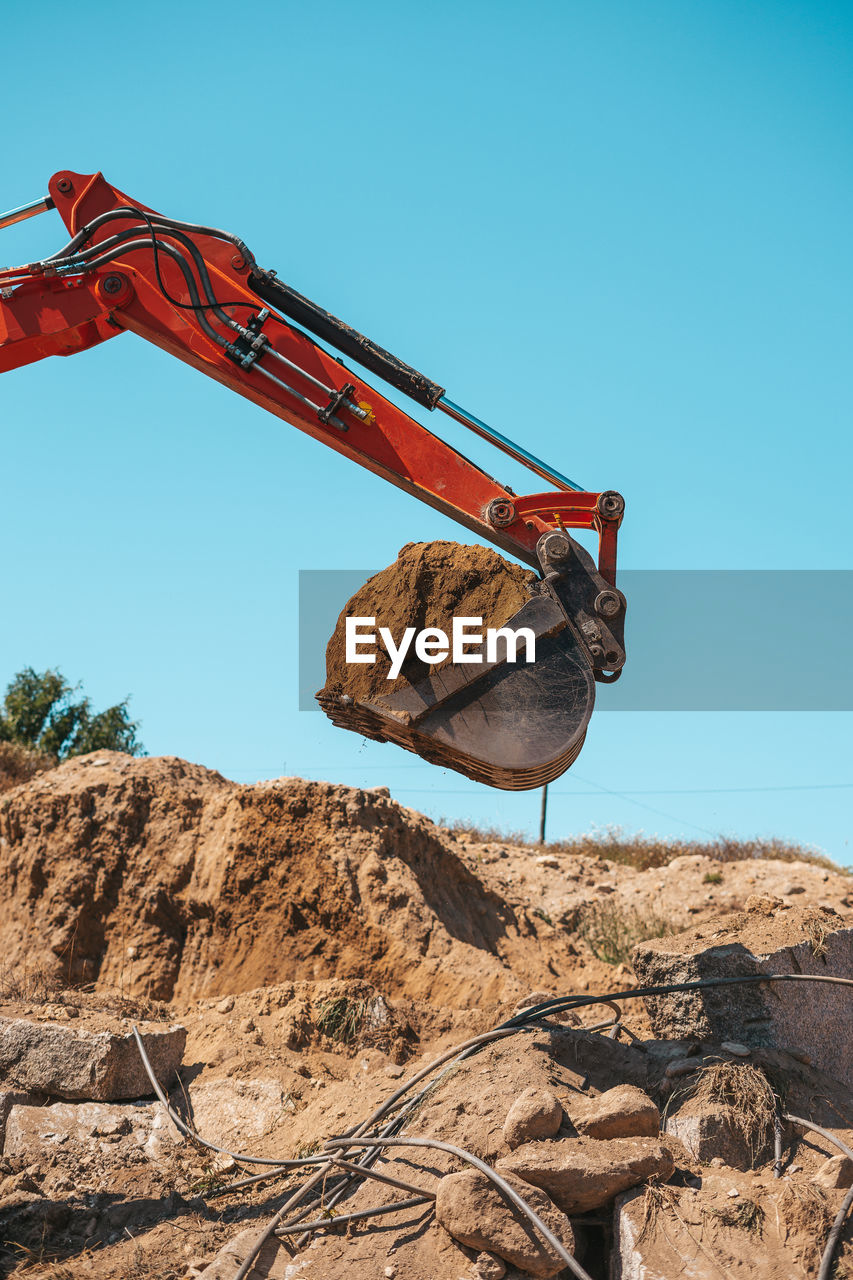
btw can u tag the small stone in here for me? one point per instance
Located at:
(622, 1112)
(789, 890)
(733, 1194)
(393, 1071)
(536, 1113)
(739, 1050)
(681, 1067)
(247, 1026)
(836, 1172)
(225, 1005)
(717, 1162)
(548, 860)
(487, 1266)
(795, 1168)
(390, 1273)
(132, 953)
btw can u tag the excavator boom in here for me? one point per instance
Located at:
(199, 294)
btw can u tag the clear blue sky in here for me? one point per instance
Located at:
(618, 232)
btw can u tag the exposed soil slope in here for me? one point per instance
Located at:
(163, 879)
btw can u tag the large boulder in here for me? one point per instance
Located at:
(771, 938)
(73, 1062)
(580, 1174)
(472, 1209)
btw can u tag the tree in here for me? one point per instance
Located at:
(39, 712)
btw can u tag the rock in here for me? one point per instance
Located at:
(272, 1261)
(580, 1174)
(470, 1207)
(73, 1063)
(236, 1113)
(836, 1172)
(33, 1132)
(622, 1112)
(225, 1005)
(711, 1131)
(738, 1050)
(536, 1113)
(487, 1267)
(548, 860)
(800, 940)
(682, 1067)
(7, 1101)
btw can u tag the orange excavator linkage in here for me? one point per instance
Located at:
(198, 293)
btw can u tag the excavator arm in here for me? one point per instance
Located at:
(199, 294)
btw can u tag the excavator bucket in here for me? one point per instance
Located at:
(506, 722)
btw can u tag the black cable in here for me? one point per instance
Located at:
(166, 224)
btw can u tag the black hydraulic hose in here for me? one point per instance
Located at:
(125, 211)
(339, 1219)
(343, 338)
(133, 246)
(832, 1239)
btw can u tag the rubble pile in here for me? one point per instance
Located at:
(295, 954)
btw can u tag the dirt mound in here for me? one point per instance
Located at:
(162, 879)
(428, 585)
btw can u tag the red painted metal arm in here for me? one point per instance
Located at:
(43, 314)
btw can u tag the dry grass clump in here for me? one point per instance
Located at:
(747, 1094)
(18, 764)
(644, 852)
(807, 1215)
(742, 1215)
(30, 986)
(817, 932)
(612, 931)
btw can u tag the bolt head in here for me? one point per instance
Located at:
(611, 505)
(65, 186)
(556, 546)
(607, 604)
(500, 512)
(113, 284)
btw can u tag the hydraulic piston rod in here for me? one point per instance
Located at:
(24, 211)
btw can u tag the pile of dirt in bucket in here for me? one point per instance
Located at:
(428, 585)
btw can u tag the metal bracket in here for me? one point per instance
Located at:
(595, 610)
(249, 347)
(339, 398)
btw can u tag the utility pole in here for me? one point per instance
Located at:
(542, 814)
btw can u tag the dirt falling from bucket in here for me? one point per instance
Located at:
(428, 585)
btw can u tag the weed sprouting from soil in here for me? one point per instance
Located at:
(712, 877)
(341, 1018)
(611, 931)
